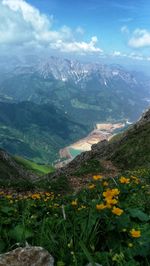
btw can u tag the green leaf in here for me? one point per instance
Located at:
(20, 233)
(86, 253)
(6, 209)
(136, 213)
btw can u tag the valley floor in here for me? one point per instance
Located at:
(102, 131)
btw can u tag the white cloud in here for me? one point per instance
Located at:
(22, 24)
(140, 38)
(133, 56)
(82, 47)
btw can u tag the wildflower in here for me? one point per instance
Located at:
(105, 184)
(124, 230)
(100, 206)
(97, 177)
(74, 203)
(36, 196)
(117, 211)
(110, 193)
(115, 191)
(124, 180)
(91, 186)
(135, 233)
(111, 201)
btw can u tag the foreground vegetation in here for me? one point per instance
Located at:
(107, 223)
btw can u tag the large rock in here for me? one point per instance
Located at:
(28, 256)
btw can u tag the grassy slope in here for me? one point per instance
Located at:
(39, 169)
(134, 151)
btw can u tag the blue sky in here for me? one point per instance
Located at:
(113, 29)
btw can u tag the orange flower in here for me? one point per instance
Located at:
(97, 177)
(135, 233)
(117, 211)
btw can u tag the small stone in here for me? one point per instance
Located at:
(27, 256)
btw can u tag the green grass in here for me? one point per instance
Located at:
(134, 150)
(88, 167)
(39, 169)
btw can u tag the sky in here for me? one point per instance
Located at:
(116, 30)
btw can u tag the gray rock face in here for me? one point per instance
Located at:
(28, 256)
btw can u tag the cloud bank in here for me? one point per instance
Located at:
(23, 25)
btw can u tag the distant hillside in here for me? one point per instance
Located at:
(36, 131)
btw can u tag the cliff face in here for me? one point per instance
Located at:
(128, 150)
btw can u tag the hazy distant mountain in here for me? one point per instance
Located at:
(60, 93)
(86, 91)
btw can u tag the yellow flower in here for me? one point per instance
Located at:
(74, 203)
(100, 206)
(97, 177)
(110, 193)
(111, 201)
(36, 196)
(135, 233)
(115, 191)
(91, 186)
(124, 180)
(105, 184)
(117, 211)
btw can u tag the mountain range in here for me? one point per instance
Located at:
(46, 104)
